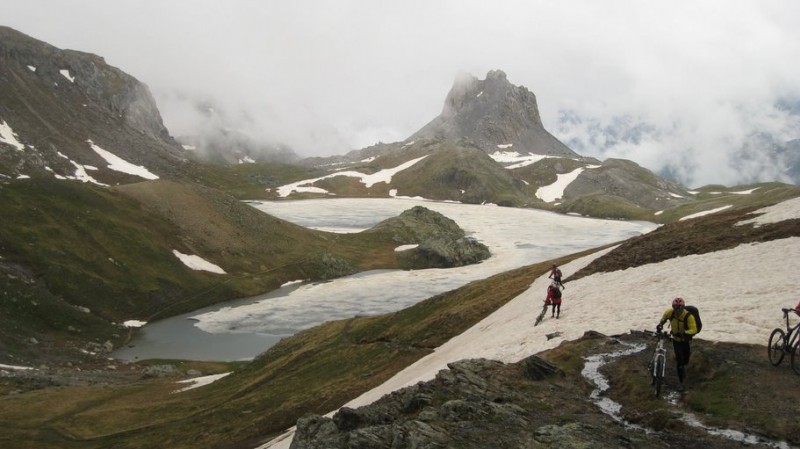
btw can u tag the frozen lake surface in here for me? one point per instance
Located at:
(245, 328)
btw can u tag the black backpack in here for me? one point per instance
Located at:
(696, 314)
(557, 293)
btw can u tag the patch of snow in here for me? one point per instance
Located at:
(247, 160)
(479, 94)
(555, 190)
(286, 284)
(14, 367)
(409, 143)
(518, 160)
(659, 213)
(81, 175)
(393, 192)
(705, 212)
(65, 73)
(23, 177)
(116, 163)
(31, 68)
(369, 159)
(675, 195)
(405, 247)
(134, 323)
(745, 192)
(189, 147)
(197, 263)
(7, 135)
(368, 180)
(200, 381)
(506, 145)
(787, 210)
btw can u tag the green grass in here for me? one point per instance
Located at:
(314, 371)
(109, 252)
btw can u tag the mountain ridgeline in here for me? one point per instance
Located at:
(58, 106)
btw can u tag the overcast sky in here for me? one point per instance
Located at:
(694, 78)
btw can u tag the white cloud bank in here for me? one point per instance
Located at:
(689, 81)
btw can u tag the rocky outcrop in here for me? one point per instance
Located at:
(441, 243)
(495, 115)
(474, 404)
(628, 180)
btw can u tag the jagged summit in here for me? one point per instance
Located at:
(494, 114)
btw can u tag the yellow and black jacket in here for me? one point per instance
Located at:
(682, 323)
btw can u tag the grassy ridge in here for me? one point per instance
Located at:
(77, 257)
(313, 371)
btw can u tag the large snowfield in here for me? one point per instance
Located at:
(740, 293)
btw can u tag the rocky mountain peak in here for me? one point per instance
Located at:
(495, 114)
(58, 103)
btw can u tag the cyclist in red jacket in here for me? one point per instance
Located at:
(554, 298)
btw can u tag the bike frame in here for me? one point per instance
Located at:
(658, 364)
(782, 342)
(791, 331)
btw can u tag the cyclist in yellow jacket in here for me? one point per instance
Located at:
(683, 327)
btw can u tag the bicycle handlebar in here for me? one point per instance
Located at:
(665, 334)
(787, 310)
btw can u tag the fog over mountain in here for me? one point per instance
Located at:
(700, 91)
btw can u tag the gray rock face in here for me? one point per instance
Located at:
(441, 242)
(470, 405)
(628, 180)
(493, 113)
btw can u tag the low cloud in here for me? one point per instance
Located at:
(700, 79)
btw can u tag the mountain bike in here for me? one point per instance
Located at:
(658, 364)
(541, 314)
(782, 342)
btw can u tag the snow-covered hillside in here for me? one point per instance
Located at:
(739, 292)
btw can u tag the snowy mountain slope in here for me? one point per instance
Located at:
(69, 115)
(739, 291)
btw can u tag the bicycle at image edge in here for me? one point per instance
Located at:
(658, 364)
(786, 341)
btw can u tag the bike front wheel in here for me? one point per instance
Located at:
(658, 376)
(796, 357)
(775, 346)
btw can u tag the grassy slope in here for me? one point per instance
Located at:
(66, 245)
(314, 371)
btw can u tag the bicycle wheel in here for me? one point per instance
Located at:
(775, 346)
(658, 376)
(796, 357)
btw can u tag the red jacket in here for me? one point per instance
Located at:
(551, 298)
